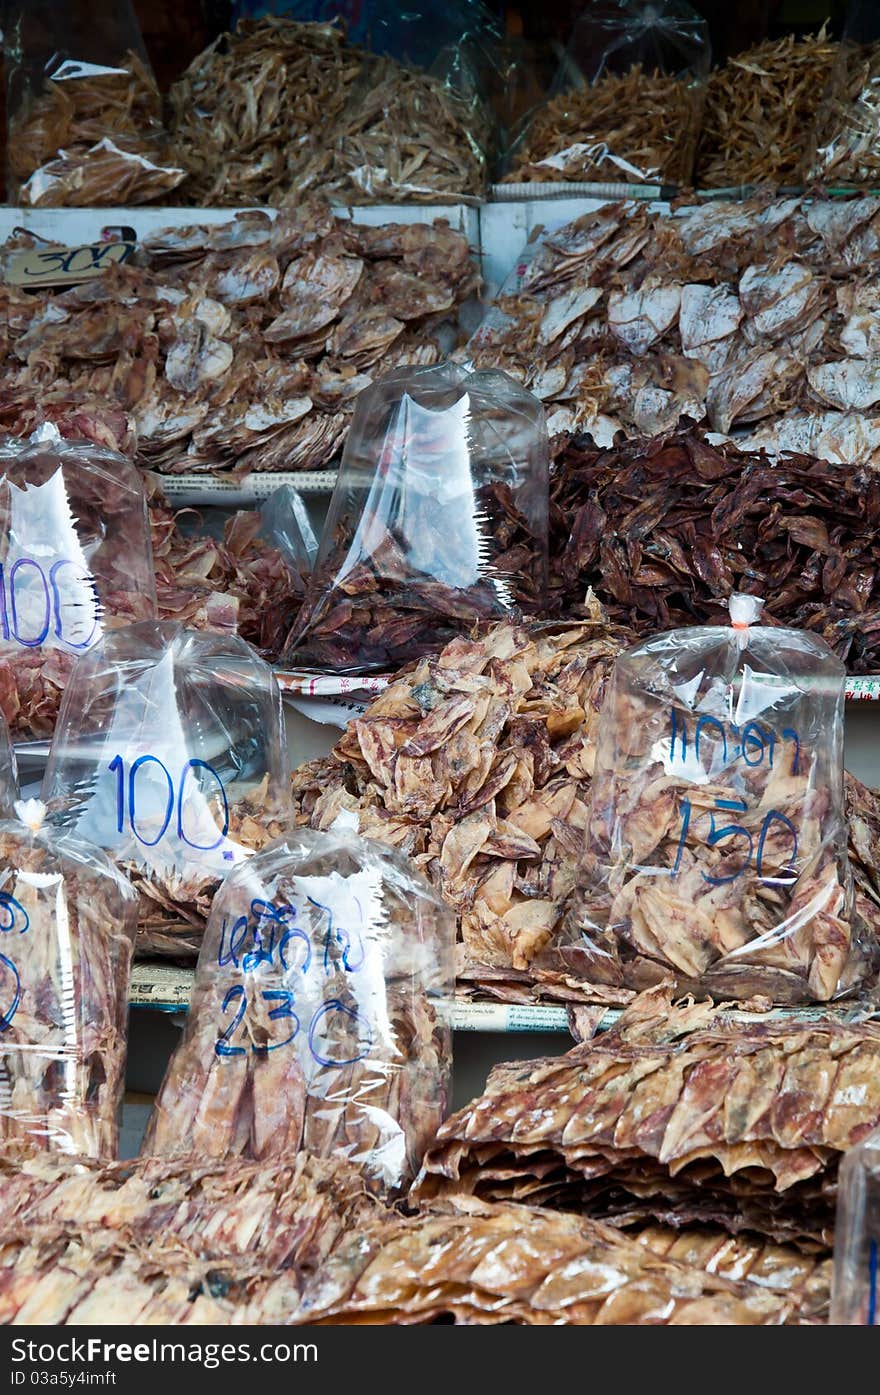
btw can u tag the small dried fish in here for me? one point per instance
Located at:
(759, 108)
(92, 139)
(847, 136)
(637, 126)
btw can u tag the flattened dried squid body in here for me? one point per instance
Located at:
(675, 1111)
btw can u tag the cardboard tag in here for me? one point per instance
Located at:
(65, 266)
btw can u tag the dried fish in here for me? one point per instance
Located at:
(92, 138)
(759, 107)
(677, 1112)
(639, 126)
(847, 136)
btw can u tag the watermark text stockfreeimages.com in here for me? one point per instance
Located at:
(210, 1355)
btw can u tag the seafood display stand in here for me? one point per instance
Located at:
(498, 231)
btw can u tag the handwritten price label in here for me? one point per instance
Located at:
(66, 266)
(313, 949)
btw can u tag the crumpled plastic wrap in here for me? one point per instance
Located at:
(319, 1016)
(438, 520)
(67, 925)
(626, 101)
(716, 845)
(169, 754)
(75, 561)
(85, 114)
(855, 1288)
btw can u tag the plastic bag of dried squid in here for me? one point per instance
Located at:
(716, 844)
(626, 102)
(320, 1014)
(438, 520)
(75, 560)
(855, 1289)
(84, 111)
(844, 148)
(170, 755)
(67, 925)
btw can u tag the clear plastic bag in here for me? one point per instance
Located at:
(9, 792)
(85, 114)
(845, 143)
(169, 754)
(716, 844)
(855, 1288)
(438, 519)
(75, 560)
(319, 1017)
(285, 522)
(625, 105)
(67, 924)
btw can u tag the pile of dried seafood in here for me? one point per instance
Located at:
(407, 135)
(241, 584)
(299, 1242)
(666, 529)
(677, 1114)
(847, 136)
(756, 314)
(477, 765)
(253, 113)
(69, 922)
(631, 126)
(759, 108)
(280, 108)
(92, 139)
(239, 346)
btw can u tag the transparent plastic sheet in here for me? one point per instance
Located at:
(845, 144)
(855, 1288)
(285, 522)
(9, 791)
(319, 1017)
(438, 520)
(169, 754)
(625, 104)
(85, 114)
(67, 918)
(75, 560)
(716, 845)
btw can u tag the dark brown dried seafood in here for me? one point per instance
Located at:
(299, 1242)
(665, 530)
(477, 765)
(760, 316)
(252, 113)
(759, 109)
(64, 973)
(634, 126)
(678, 1114)
(847, 137)
(92, 139)
(237, 346)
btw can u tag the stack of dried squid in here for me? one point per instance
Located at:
(299, 1242)
(477, 765)
(236, 347)
(759, 316)
(678, 1114)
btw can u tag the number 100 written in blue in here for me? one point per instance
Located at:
(127, 799)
